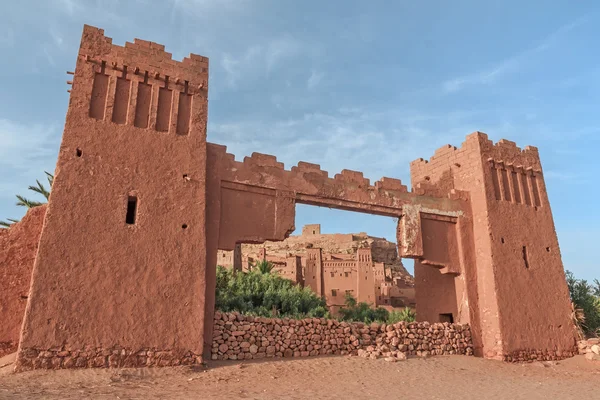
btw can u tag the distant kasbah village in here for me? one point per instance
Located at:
(333, 265)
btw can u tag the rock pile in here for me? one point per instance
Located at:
(591, 349)
(239, 337)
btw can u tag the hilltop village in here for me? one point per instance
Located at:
(333, 265)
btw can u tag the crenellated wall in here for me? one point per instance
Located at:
(311, 185)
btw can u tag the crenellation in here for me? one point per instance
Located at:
(305, 167)
(263, 160)
(391, 184)
(446, 150)
(148, 44)
(352, 176)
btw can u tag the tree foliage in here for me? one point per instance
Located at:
(263, 266)
(406, 315)
(28, 203)
(363, 312)
(586, 298)
(266, 295)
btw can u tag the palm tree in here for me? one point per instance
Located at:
(25, 202)
(263, 266)
(5, 224)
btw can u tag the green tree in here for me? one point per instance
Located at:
(406, 315)
(266, 295)
(263, 266)
(25, 202)
(585, 298)
(361, 312)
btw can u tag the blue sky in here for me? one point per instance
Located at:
(368, 86)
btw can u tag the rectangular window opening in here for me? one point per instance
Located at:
(333, 292)
(447, 318)
(131, 210)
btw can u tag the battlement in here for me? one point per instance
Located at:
(308, 179)
(140, 85)
(143, 55)
(516, 174)
(504, 150)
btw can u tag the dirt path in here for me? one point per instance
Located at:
(452, 377)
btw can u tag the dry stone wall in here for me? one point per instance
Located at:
(240, 337)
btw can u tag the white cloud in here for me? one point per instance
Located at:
(314, 79)
(26, 152)
(206, 9)
(260, 60)
(511, 64)
(71, 7)
(279, 50)
(236, 68)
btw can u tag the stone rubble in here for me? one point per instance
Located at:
(240, 337)
(591, 348)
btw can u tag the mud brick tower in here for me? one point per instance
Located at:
(523, 299)
(126, 223)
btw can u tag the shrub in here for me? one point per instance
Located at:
(406, 315)
(585, 297)
(267, 295)
(263, 266)
(361, 312)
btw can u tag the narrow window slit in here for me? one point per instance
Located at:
(131, 210)
(525, 257)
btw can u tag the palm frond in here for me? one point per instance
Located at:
(24, 202)
(8, 222)
(40, 189)
(50, 178)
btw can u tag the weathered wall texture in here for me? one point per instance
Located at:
(18, 246)
(238, 337)
(135, 130)
(519, 278)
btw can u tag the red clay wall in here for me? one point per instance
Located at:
(436, 293)
(523, 310)
(533, 297)
(101, 285)
(18, 246)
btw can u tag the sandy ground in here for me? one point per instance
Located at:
(450, 377)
